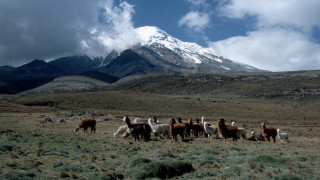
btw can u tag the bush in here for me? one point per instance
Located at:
(139, 161)
(161, 169)
(19, 176)
(269, 160)
(286, 177)
(6, 147)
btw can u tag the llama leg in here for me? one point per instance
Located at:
(267, 138)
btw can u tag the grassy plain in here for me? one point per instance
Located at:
(32, 149)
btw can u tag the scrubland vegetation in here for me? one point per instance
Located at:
(33, 149)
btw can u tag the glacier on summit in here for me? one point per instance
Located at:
(190, 52)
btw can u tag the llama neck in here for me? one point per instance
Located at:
(263, 128)
(151, 123)
(128, 124)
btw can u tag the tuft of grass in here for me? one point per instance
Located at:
(286, 176)
(160, 152)
(269, 160)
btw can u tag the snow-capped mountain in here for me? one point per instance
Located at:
(157, 53)
(167, 55)
(190, 52)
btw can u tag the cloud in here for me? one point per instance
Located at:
(45, 29)
(281, 39)
(301, 14)
(195, 20)
(123, 34)
(198, 2)
(271, 49)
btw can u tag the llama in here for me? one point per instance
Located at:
(135, 120)
(120, 130)
(211, 130)
(139, 129)
(227, 131)
(177, 128)
(257, 136)
(188, 128)
(267, 132)
(85, 123)
(284, 137)
(196, 128)
(159, 128)
(241, 132)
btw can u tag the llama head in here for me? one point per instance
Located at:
(252, 132)
(125, 119)
(205, 124)
(232, 124)
(136, 120)
(172, 121)
(76, 129)
(150, 121)
(197, 120)
(278, 130)
(263, 124)
(221, 122)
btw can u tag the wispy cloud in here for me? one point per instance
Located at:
(195, 20)
(198, 2)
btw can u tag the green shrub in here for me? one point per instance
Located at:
(161, 169)
(20, 176)
(139, 161)
(301, 159)
(269, 160)
(286, 176)
(6, 147)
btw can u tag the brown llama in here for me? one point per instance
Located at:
(227, 131)
(138, 130)
(195, 127)
(267, 132)
(85, 123)
(177, 128)
(188, 127)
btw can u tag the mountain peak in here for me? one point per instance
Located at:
(190, 52)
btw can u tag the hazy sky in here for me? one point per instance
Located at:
(273, 35)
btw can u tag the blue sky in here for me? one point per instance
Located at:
(273, 35)
(166, 15)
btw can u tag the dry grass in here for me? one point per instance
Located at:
(32, 149)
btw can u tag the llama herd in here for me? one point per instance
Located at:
(172, 129)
